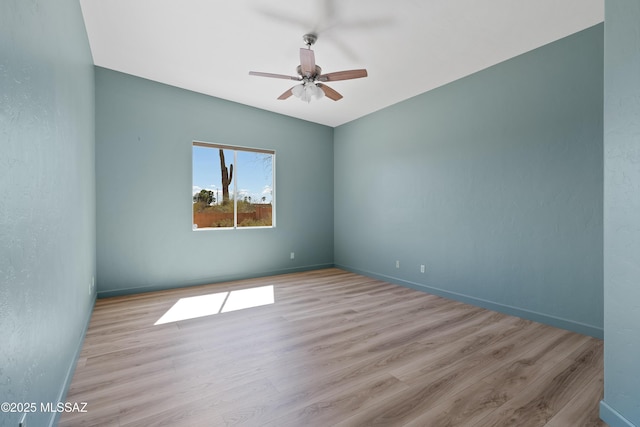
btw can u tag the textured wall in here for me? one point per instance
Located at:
(622, 213)
(47, 202)
(493, 182)
(144, 134)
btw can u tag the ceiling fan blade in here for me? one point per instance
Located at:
(342, 75)
(275, 76)
(307, 62)
(329, 93)
(287, 94)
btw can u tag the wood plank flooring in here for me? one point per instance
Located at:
(334, 349)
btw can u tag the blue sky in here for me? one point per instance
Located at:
(253, 172)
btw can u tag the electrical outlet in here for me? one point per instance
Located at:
(23, 420)
(293, 255)
(397, 264)
(422, 268)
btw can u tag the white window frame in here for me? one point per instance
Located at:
(235, 149)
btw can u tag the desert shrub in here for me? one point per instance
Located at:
(256, 223)
(226, 222)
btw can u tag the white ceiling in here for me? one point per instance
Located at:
(407, 46)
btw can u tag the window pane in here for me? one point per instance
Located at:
(212, 187)
(255, 189)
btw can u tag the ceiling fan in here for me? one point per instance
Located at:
(311, 76)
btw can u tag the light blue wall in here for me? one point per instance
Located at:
(47, 199)
(144, 133)
(494, 182)
(621, 405)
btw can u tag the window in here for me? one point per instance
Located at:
(233, 187)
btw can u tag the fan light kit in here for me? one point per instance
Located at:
(311, 76)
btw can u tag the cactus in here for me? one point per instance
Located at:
(227, 177)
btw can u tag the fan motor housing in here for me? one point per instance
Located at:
(317, 73)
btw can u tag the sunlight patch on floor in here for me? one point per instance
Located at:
(222, 302)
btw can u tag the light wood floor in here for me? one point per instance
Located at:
(335, 349)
